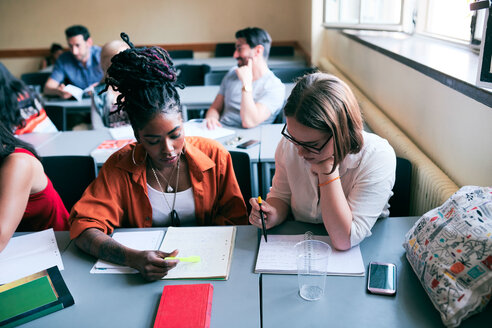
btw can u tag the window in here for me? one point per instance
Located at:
(368, 14)
(445, 19)
(448, 19)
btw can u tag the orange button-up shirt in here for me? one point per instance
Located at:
(118, 197)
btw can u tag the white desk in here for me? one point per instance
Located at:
(116, 300)
(270, 136)
(193, 97)
(82, 143)
(346, 302)
(226, 63)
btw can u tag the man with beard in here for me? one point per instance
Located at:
(249, 94)
(79, 66)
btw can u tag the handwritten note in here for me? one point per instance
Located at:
(279, 256)
(214, 245)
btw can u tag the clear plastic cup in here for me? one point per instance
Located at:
(312, 265)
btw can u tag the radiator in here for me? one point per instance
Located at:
(430, 186)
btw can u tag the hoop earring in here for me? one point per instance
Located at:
(133, 157)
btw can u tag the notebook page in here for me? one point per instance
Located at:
(199, 129)
(122, 132)
(140, 240)
(214, 245)
(279, 256)
(28, 254)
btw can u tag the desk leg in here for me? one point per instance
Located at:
(255, 188)
(64, 115)
(266, 176)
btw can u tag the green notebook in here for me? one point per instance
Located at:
(33, 296)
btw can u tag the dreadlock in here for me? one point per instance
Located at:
(146, 80)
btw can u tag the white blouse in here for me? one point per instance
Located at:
(367, 181)
(184, 206)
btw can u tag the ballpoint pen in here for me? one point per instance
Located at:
(262, 217)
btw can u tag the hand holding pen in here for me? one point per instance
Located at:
(268, 213)
(262, 217)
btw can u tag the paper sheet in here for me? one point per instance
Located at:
(122, 132)
(214, 245)
(199, 129)
(28, 254)
(141, 240)
(278, 255)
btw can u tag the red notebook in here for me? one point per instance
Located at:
(185, 306)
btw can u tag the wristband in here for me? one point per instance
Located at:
(328, 182)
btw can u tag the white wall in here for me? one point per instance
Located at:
(28, 24)
(454, 130)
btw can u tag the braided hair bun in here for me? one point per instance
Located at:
(146, 81)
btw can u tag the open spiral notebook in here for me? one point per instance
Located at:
(278, 255)
(214, 245)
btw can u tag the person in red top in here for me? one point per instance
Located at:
(163, 180)
(28, 201)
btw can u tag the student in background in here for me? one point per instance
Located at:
(250, 94)
(104, 112)
(164, 179)
(28, 201)
(79, 66)
(327, 169)
(20, 107)
(47, 63)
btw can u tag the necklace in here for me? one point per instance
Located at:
(169, 189)
(174, 215)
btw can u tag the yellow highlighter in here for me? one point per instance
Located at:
(193, 259)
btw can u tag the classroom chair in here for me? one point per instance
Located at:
(291, 74)
(400, 201)
(281, 51)
(70, 176)
(180, 54)
(192, 74)
(36, 80)
(225, 49)
(214, 78)
(242, 168)
(57, 116)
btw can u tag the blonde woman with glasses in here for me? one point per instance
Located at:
(328, 170)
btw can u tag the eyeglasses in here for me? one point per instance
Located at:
(312, 149)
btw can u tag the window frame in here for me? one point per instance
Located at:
(402, 26)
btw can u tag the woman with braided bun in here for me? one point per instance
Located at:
(164, 179)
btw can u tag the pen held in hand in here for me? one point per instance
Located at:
(262, 217)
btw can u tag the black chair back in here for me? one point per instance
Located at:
(37, 80)
(214, 78)
(280, 51)
(192, 74)
(225, 49)
(242, 169)
(70, 176)
(289, 75)
(400, 201)
(56, 115)
(180, 54)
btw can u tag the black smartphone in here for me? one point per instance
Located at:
(248, 144)
(381, 278)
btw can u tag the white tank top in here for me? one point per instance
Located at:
(184, 206)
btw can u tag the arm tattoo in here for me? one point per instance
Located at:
(112, 251)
